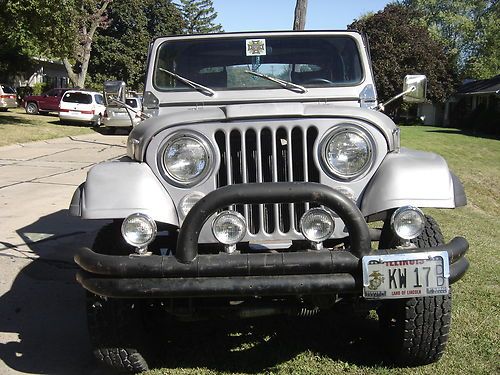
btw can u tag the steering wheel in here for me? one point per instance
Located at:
(318, 80)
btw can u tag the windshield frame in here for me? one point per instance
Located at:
(232, 36)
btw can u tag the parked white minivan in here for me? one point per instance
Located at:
(82, 106)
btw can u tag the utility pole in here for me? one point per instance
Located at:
(299, 22)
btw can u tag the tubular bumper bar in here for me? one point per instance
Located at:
(189, 274)
(238, 274)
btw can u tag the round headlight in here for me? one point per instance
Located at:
(229, 227)
(347, 153)
(317, 225)
(186, 159)
(139, 230)
(408, 222)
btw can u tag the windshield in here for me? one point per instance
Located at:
(77, 97)
(221, 63)
(8, 89)
(131, 103)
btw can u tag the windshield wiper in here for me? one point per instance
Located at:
(203, 89)
(285, 84)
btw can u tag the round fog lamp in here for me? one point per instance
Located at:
(139, 230)
(188, 201)
(317, 224)
(229, 227)
(408, 222)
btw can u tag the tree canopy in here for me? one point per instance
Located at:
(199, 17)
(468, 28)
(55, 29)
(120, 51)
(399, 47)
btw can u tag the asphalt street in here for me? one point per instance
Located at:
(42, 311)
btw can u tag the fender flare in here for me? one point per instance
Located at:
(411, 177)
(116, 189)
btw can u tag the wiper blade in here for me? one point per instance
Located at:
(285, 84)
(198, 87)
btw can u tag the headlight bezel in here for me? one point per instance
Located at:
(342, 129)
(205, 144)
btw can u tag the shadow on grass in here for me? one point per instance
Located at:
(465, 132)
(259, 345)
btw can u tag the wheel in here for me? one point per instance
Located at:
(116, 326)
(416, 329)
(115, 329)
(97, 122)
(32, 108)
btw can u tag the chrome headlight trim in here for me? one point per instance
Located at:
(203, 142)
(342, 129)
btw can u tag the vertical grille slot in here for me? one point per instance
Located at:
(268, 155)
(251, 157)
(267, 167)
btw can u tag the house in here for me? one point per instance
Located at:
(475, 106)
(50, 72)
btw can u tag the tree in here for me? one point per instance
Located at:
(399, 47)
(55, 29)
(199, 17)
(299, 22)
(468, 28)
(120, 50)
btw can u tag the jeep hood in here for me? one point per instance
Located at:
(144, 132)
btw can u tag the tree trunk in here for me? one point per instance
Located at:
(299, 22)
(83, 48)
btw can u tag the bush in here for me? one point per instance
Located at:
(39, 88)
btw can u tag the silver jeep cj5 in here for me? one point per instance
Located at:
(249, 192)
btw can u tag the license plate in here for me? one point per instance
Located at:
(121, 114)
(74, 112)
(406, 275)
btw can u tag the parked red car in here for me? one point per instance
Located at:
(47, 102)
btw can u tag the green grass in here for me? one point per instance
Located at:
(349, 345)
(16, 126)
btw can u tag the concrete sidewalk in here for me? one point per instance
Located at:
(42, 312)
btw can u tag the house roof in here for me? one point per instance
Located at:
(483, 86)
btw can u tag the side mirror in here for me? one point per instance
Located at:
(415, 88)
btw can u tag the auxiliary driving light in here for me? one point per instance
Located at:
(317, 224)
(139, 230)
(229, 227)
(408, 222)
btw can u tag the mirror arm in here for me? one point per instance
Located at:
(381, 106)
(144, 116)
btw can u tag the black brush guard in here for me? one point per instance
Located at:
(190, 274)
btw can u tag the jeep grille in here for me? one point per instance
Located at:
(280, 154)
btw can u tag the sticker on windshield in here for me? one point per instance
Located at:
(256, 47)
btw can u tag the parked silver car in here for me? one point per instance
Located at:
(250, 191)
(123, 117)
(7, 97)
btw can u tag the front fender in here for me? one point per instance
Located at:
(114, 190)
(411, 177)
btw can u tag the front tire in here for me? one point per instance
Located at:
(416, 329)
(116, 326)
(32, 108)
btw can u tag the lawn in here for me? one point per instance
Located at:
(16, 126)
(350, 345)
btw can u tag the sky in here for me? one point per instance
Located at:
(263, 15)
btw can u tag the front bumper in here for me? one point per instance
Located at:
(189, 274)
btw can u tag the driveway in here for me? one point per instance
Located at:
(42, 318)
